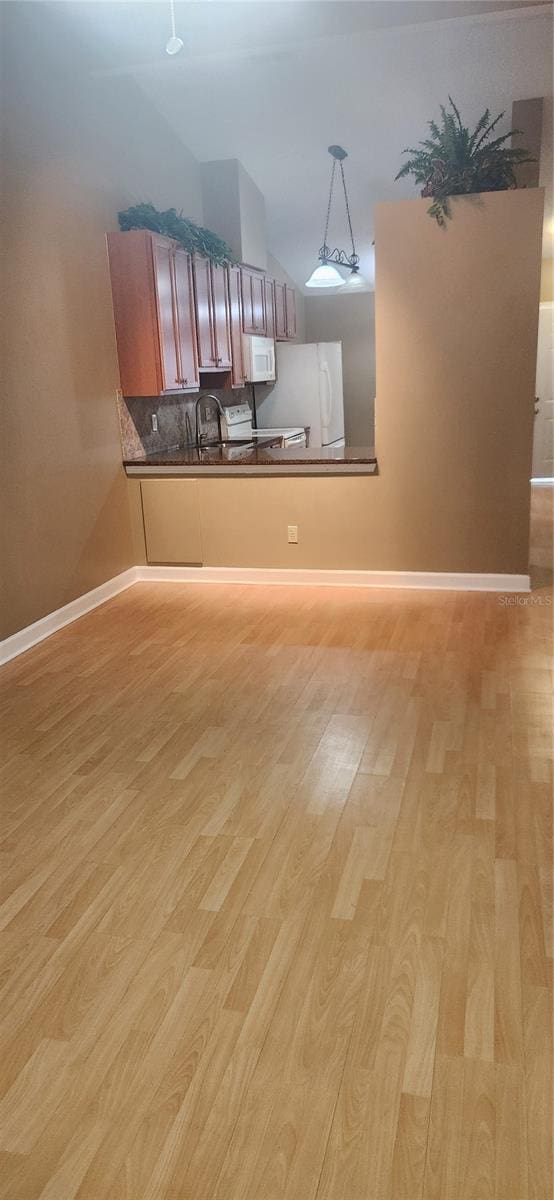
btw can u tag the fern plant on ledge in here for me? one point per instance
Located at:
(455, 162)
(194, 238)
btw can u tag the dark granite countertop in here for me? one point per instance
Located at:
(263, 455)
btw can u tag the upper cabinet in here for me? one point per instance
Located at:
(176, 317)
(204, 313)
(235, 298)
(212, 315)
(269, 307)
(290, 311)
(222, 315)
(154, 313)
(280, 312)
(285, 311)
(186, 319)
(253, 301)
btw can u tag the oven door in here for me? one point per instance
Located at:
(295, 439)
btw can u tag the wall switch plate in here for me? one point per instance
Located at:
(293, 534)
(154, 422)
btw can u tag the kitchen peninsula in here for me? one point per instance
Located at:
(448, 505)
(261, 459)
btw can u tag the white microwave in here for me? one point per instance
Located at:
(258, 357)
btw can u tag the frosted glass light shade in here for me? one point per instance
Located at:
(355, 282)
(325, 276)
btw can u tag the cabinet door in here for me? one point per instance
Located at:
(269, 308)
(171, 520)
(247, 301)
(221, 316)
(186, 322)
(235, 293)
(253, 301)
(165, 298)
(154, 313)
(258, 303)
(204, 314)
(280, 312)
(290, 309)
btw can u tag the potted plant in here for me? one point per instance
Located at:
(454, 162)
(172, 224)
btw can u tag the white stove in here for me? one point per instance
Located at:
(289, 437)
(236, 424)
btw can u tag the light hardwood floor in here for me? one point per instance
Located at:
(275, 899)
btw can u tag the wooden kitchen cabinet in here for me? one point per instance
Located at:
(171, 513)
(235, 300)
(280, 311)
(253, 301)
(290, 311)
(285, 312)
(213, 318)
(155, 323)
(186, 320)
(222, 316)
(269, 307)
(204, 318)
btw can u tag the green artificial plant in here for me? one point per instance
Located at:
(455, 162)
(172, 224)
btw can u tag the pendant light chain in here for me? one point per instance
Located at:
(329, 203)
(347, 205)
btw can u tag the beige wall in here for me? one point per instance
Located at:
(235, 209)
(221, 201)
(253, 221)
(76, 150)
(456, 334)
(350, 320)
(547, 280)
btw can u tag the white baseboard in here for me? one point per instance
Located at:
(18, 643)
(453, 581)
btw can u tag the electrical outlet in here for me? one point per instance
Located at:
(293, 534)
(154, 422)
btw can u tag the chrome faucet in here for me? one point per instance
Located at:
(220, 414)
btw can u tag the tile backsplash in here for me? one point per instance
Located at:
(135, 419)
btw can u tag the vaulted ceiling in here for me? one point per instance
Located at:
(274, 83)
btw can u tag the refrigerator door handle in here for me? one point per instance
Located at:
(326, 411)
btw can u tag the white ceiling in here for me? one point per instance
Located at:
(274, 83)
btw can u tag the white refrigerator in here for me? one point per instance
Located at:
(308, 391)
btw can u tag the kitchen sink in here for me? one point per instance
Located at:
(225, 442)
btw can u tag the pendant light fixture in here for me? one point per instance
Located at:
(327, 275)
(174, 44)
(355, 282)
